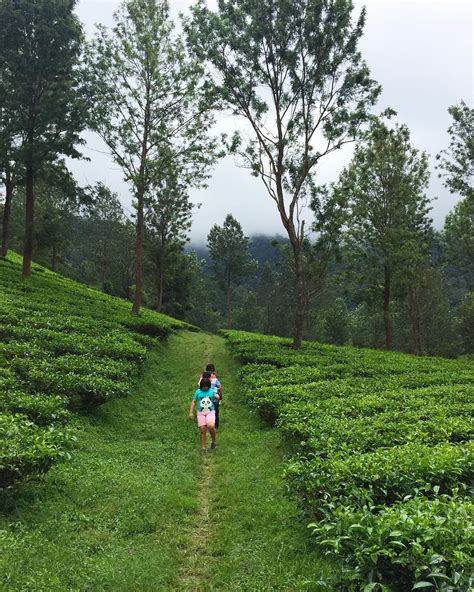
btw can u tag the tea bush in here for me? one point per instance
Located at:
(382, 459)
(63, 346)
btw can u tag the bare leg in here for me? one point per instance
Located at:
(202, 429)
(212, 431)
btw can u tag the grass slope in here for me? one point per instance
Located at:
(126, 513)
(63, 346)
(257, 541)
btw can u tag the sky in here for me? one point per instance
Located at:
(420, 51)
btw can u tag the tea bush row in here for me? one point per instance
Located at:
(63, 347)
(382, 457)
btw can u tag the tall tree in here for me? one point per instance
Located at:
(231, 260)
(105, 213)
(292, 69)
(168, 221)
(388, 224)
(40, 44)
(150, 105)
(457, 162)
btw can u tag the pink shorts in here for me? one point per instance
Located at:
(208, 419)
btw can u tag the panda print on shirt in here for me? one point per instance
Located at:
(205, 401)
(206, 405)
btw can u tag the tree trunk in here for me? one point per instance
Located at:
(300, 311)
(414, 310)
(29, 221)
(161, 280)
(54, 258)
(386, 307)
(7, 214)
(137, 300)
(229, 307)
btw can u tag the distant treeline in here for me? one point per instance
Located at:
(365, 267)
(437, 318)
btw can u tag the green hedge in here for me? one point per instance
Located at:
(417, 544)
(63, 346)
(381, 456)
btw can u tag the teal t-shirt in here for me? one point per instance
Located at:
(205, 399)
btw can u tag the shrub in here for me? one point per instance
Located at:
(381, 455)
(415, 544)
(62, 345)
(26, 447)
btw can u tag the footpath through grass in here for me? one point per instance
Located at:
(257, 542)
(137, 508)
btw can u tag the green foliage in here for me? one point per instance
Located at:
(458, 160)
(63, 345)
(148, 95)
(381, 445)
(40, 45)
(458, 233)
(27, 447)
(42, 93)
(415, 541)
(381, 477)
(231, 260)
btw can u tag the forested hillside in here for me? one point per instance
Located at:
(65, 348)
(358, 260)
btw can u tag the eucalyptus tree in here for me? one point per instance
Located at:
(9, 169)
(293, 71)
(168, 221)
(388, 228)
(40, 82)
(457, 164)
(150, 106)
(231, 259)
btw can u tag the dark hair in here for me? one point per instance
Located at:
(205, 382)
(206, 375)
(210, 368)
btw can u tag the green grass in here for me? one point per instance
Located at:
(63, 347)
(257, 541)
(125, 512)
(117, 515)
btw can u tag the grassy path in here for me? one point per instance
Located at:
(257, 543)
(138, 509)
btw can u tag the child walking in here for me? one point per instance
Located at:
(205, 398)
(210, 373)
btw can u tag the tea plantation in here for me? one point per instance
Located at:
(64, 348)
(382, 459)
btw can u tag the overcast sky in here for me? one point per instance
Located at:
(421, 51)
